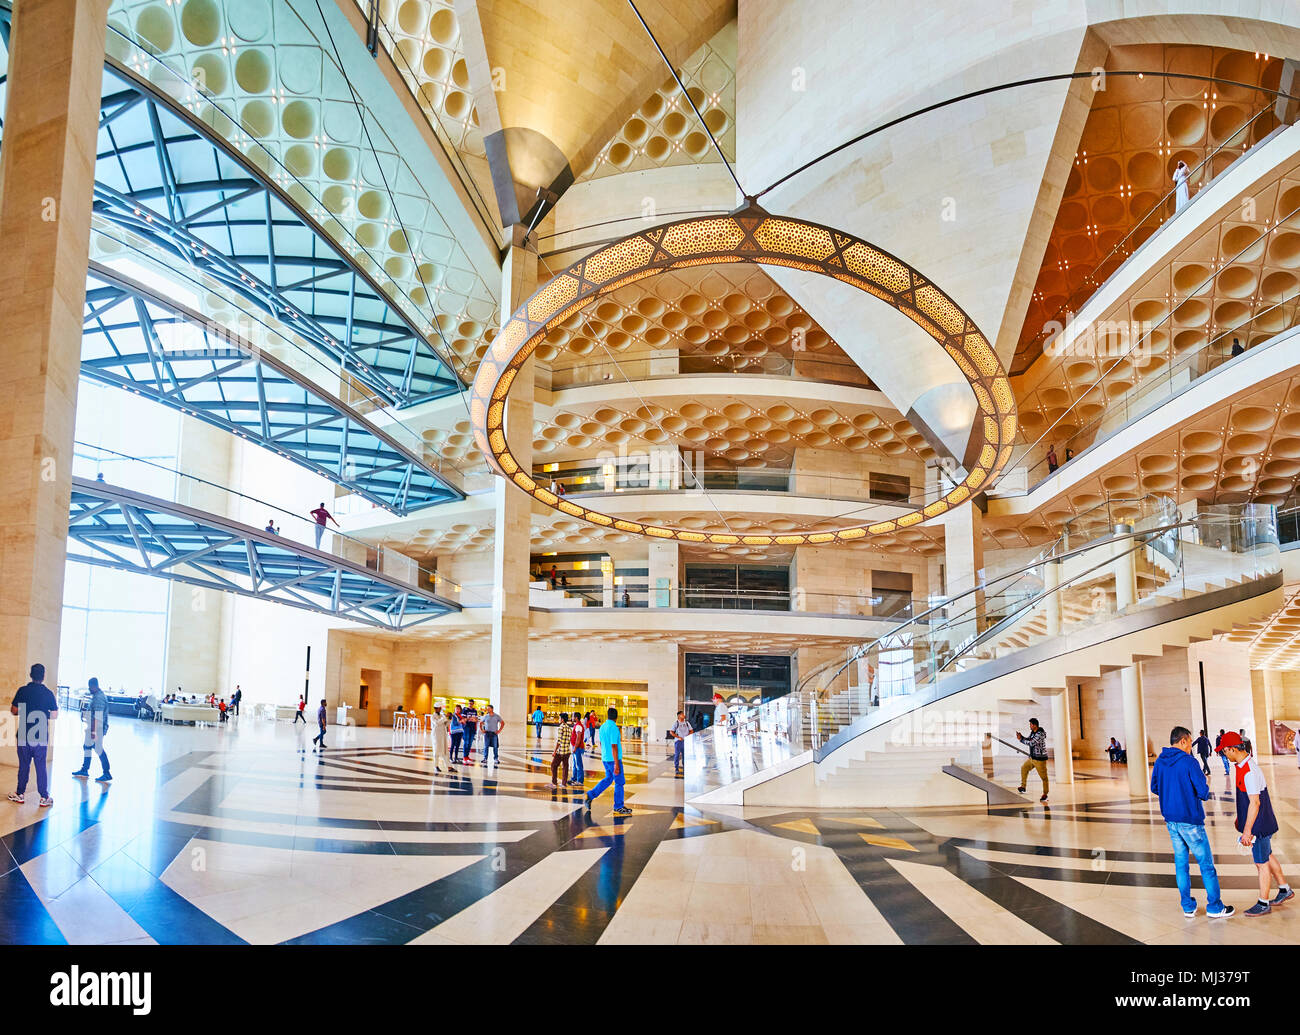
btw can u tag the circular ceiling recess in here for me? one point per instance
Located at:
(752, 235)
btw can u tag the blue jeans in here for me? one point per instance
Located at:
(490, 744)
(1191, 836)
(610, 777)
(578, 773)
(1225, 763)
(679, 752)
(537, 727)
(29, 754)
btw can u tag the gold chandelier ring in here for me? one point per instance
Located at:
(749, 234)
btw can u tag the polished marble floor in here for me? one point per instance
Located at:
(223, 835)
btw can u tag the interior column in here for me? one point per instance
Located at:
(963, 555)
(1062, 737)
(47, 174)
(508, 687)
(1135, 730)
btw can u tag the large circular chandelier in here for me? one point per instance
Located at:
(747, 235)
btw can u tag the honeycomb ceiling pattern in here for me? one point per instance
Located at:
(267, 86)
(1274, 641)
(1244, 450)
(553, 531)
(1136, 132)
(740, 432)
(703, 640)
(425, 35)
(733, 314)
(665, 131)
(1234, 279)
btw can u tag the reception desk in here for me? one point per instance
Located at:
(195, 713)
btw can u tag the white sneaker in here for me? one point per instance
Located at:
(46, 802)
(19, 798)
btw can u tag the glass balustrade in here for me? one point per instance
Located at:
(1064, 592)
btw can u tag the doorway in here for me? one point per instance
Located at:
(371, 693)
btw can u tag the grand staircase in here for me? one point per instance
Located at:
(880, 727)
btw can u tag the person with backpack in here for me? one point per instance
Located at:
(1202, 746)
(302, 703)
(1036, 741)
(96, 729)
(457, 730)
(563, 749)
(1218, 750)
(36, 708)
(578, 738)
(681, 730)
(1256, 823)
(1180, 786)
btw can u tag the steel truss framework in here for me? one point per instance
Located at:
(130, 531)
(162, 176)
(135, 339)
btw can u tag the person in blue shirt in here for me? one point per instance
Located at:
(321, 722)
(96, 729)
(1180, 785)
(538, 716)
(36, 708)
(611, 753)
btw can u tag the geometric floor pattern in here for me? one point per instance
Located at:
(242, 834)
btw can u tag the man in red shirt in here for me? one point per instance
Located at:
(322, 515)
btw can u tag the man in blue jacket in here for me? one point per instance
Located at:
(1180, 785)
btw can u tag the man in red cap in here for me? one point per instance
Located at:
(1256, 823)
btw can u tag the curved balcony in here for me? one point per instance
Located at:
(1192, 299)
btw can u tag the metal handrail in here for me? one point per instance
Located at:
(858, 653)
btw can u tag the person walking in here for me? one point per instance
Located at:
(681, 730)
(1052, 465)
(1256, 824)
(611, 753)
(578, 739)
(1181, 192)
(457, 730)
(96, 730)
(321, 515)
(1202, 746)
(320, 721)
(302, 704)
(563, 749)
(593, 730)
(439, 735)
(492, 725)
(469, 719)
(1037, 760)
(538, 717)
(36, 708)
(1218, 750)
(1180, 785)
